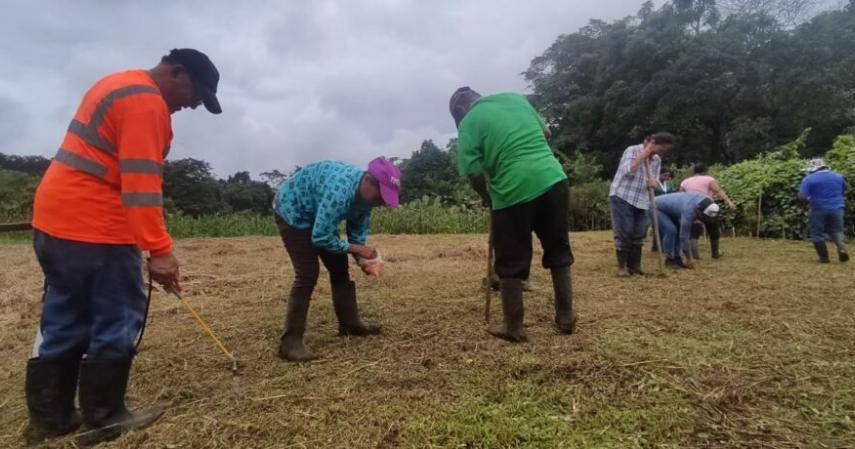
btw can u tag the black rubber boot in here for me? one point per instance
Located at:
(291, 346)
(634, 262)
(675, 262)
(714, 248)
(696, 252)
(842, 254)
(821, 251)
(344, 303)
(512, 308)
(103, 384)
(562, 286)
(50, 388)
(622, 261)
(496, 284)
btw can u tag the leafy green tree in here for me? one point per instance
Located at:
(34, 165)
(429, 172)
(730, 86)
(16, 195)
(273, 177)
(242, 194)
(190, 187)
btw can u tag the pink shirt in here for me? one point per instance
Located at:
(698, 184)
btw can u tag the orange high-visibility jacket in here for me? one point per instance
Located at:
(105, 183)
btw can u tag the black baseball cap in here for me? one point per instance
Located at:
(203, 73)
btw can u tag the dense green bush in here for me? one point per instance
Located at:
(429, 216)
(16, 195)
(589, 206)
(765, 189)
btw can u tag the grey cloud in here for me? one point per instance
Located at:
(300, 80)
(14, 123)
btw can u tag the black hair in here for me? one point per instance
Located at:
(700, 169)
(460, 102)
(662, 138)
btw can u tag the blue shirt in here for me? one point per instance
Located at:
(681, 206)
(320, 196)
(824, 190)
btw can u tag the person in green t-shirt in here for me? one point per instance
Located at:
(502, 149)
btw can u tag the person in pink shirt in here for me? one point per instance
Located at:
(701, 182)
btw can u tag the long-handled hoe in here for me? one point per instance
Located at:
(487, 284)
(655, 214)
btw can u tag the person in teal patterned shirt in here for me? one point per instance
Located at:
(308, 209)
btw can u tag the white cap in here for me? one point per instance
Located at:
(712, 210)
(815, 165)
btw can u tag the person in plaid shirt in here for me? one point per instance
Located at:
(629, 199)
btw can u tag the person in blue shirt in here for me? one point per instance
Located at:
(676, 213)
(308, 209)
(825, 191)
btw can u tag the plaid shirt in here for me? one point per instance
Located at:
(632, 186)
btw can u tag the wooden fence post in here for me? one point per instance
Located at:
(759, 212)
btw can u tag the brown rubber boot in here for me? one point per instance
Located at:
(344, 303)
(291, 346)
(103, 384)
(622, 261)
(50, 388)
(562, 285)
(512, 308)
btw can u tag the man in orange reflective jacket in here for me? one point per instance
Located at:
(100, 203)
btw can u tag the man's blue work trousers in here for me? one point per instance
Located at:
(94, 301)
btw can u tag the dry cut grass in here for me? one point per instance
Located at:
(751, 351)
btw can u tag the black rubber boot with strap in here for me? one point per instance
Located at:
(291, 346)
(50, 389)
(344, 303)
(562, 286)
(103, 384)
(821, 251)
(512, 309)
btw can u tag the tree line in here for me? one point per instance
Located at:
(189, 187)
(730, 86)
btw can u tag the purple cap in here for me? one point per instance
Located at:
(389, 177)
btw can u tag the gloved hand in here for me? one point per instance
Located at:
(371, 267)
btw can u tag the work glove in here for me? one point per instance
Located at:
(371, 267)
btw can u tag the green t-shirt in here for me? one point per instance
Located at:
(502, 136)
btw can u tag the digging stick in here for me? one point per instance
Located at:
(488, 285)
(655, 214)
(217, 341)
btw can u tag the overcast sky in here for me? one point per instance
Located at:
(300, 80)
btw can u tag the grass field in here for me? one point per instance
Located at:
(755, 350)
